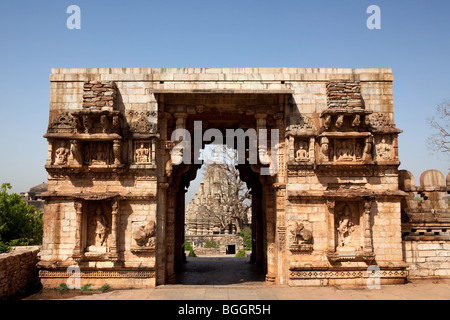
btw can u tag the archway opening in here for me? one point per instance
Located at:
(248, 122)
(221, 242)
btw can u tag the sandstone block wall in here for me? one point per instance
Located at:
(427, 259)
(18, 270)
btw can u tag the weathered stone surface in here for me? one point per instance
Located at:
(18, 271)
(431, 180)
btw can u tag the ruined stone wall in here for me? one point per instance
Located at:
(18, 271)
(426, 224)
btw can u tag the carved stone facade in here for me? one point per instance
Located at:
(325, 211)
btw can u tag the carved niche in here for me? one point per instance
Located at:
(383, 148)
(98, 228)
(301, 148)
(100, 153)
(61, 153)
(144, 151)
(300, 238)
(348, 227)
(345, 149)
(301, 132)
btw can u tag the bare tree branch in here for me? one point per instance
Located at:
(440, 141)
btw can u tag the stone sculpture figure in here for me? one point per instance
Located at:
(61, 155)
(100, 223)
(384, 150)
(345, 226)
(356, 121)
(300, 235)
(142, 154)
(99, 154)
(324, 149)
(339, 121)
(117, 151)
(327, 121)
(143, 233)
(301, 154)
(345, 152)
(75, 149)
(367, 154)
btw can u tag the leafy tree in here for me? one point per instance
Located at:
(20, 224)
(246, 234)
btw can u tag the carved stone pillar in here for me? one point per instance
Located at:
(280, 196)
(281, 127)
(262, 147)
(180, 122)
(161, 159)
(114, 228)
(395, 147)
(50, 152)
(312, 142)
(270, 244)
(170, 235)
(78, 204)
(117, 151)
(260, 121)
(368, 247)
(331, 228)
(291, 149)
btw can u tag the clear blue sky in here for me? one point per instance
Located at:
(414, 41)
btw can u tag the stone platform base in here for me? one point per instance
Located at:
(116, 279)
(351, 278)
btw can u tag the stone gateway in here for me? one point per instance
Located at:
(115, 202)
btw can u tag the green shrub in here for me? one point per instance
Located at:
(62, 287)
(104, 288)
(86, 287)
(4, 248)
(211, 244)
(240, 253)
(20, 224)
(188, 247)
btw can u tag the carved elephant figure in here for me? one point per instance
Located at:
(300, 234)
(142, 234)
